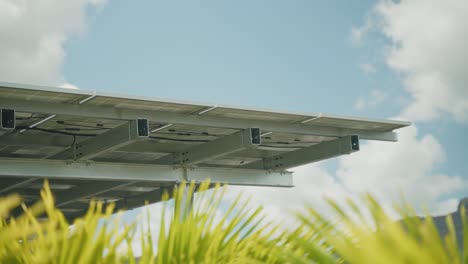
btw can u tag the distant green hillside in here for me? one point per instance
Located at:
(441, 225)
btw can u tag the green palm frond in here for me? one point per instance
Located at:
(353, 239)
(208, 231)
(30, 239)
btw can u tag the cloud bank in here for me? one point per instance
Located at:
(32, 35)
(427, 45)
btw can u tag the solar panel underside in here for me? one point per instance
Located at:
(59, 130)
(167, 140)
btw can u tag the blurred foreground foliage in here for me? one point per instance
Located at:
(199, 234)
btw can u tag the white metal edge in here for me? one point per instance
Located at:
(197, 120)
(201, 104)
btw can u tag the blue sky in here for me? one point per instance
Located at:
(260, 53)
(377, 59)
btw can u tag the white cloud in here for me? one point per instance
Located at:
(69, 86)
(358, 33)
(367, 68)
(375, 98)
(312, 183)
(407, 167)
(32, 34)
(428, 41)
(426, 47)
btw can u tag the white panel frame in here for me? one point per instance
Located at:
(91, 111)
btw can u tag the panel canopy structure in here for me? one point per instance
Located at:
(128, 149)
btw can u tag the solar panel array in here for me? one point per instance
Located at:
(51, 120)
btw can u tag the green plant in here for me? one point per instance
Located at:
(30, 239)
(353, 238)
(195, 234)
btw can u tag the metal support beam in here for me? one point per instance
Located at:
(123, 204)
(32, 140)
(126, 203)
(4, 131)
(151, 197)
(107, 141)
(56, 169)
(321, 151)
(238, 141)
(7, 184)
(93, 111)
(87, 190)
(139, 200)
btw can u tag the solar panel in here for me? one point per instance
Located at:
(128, 149)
